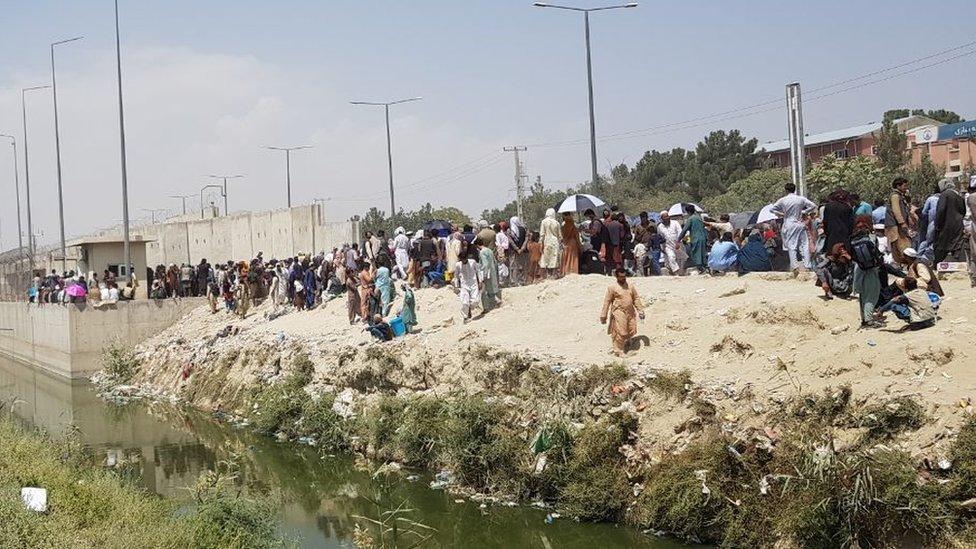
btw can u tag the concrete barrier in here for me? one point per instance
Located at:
(68, 340)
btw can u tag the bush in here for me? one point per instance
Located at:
(278, 407)
(321, 422)
(119, 362)
(597, 487)
(482, 450)
(419, 439)
(234, 521)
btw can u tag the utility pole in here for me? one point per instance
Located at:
(182, 197)
(20, 229)
(57, 149)
(389, 146)
(798, 157)
(225, 178)
(31, 242)
(594, 175)
(519, 178)
(126, 243)
(288, 166)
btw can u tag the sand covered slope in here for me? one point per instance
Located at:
(750, 343)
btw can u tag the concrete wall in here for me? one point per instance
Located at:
(68, 340)
(277, 233)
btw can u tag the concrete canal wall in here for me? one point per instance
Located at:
(68, 340)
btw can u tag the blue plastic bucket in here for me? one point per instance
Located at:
(399, 328)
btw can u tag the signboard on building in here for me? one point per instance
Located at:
(926, 134)
(960, 130)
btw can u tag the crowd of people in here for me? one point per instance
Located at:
(885, 254)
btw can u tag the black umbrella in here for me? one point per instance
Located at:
(438, 226)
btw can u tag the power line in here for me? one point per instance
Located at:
(675, 125)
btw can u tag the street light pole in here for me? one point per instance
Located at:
(223, 191)
(589, 71)
(126, 248)
(30, 226)
(20, 229)
(225, 178)
(182, 197)
(288, 165)
(57, 149)
(389, 147)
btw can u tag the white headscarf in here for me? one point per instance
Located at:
(515, 224)
(482, 224)
(551, 213)
(399, 230)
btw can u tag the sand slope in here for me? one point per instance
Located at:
(769, 336)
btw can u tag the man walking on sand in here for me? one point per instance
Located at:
(622, 306)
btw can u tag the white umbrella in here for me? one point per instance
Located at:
(766, 214)
(679, 209)
(580, 203)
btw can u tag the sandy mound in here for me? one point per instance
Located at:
(769, 337)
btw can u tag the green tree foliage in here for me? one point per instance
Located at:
(537, 201)
(942, 115)
(376, 219)
(751, 193)
(719, 160)
(861, 174)
(923, 177)
(891, 144)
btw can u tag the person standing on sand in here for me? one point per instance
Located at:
(549, 236)
(670, 230)
(622, 306)
(491, 291)
(971, 203)
(535, 256)
(467, 282)
(571, 246)
(695, 228)
(898, 220)
(792, 208)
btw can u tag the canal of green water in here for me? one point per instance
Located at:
(164, 450)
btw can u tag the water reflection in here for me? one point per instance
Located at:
(165, 449)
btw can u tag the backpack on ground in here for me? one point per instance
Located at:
(866, 253)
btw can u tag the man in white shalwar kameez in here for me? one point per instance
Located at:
(401, 246)
(468, 281)
(792, 208)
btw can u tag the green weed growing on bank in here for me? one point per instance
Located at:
(90, 507)
(119, 362)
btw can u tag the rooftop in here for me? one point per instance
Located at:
(106, 239)
(844, 134)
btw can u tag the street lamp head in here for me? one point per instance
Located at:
(59, 42)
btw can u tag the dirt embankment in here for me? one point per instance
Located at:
(749, 344)
(757, 370)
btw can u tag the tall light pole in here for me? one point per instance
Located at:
(57, 149)
(389, 149)
(126, 250)
(589, 70)
(288, 165)
(182, 197)
(223, 191)
(152, 213)
(30, 226)
(225, 178)
(20, 233)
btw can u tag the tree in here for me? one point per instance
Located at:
(862, 175)
(942, 115)
(720, 159)
(750, 193)
(891, 144)
(923, 177)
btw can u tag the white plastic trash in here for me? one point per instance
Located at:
(34, 499)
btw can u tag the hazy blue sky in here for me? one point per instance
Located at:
(209, 82)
